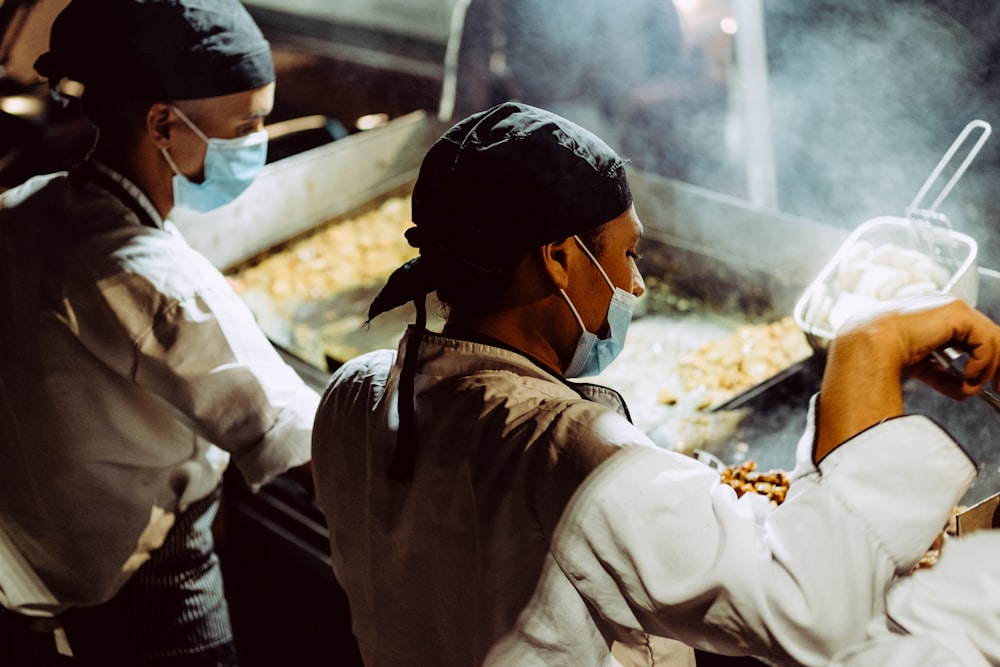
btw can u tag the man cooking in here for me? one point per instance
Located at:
(129, 370)
(485, 509)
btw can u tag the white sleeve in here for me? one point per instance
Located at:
(207, 358)
(655, 543)
(895, 650)
(959, 595)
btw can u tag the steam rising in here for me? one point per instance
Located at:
(866, 98)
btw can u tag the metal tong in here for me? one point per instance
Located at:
(953, 361)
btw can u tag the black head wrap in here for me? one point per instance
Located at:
(158, 49)
(498, 183)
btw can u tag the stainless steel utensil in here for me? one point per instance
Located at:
(923, 219)
(953, 361)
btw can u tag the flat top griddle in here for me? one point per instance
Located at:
(777, 414)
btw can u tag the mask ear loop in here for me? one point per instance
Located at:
(576, 314)
(170, 161)
(194, 128)
(600, 268)
(596, 263)
(189, 123)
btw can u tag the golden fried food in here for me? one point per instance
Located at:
(291, 288)
(744, 478)
(721, 369)
(934, 552)
(335, 257)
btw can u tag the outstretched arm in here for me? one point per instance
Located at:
(862, 384)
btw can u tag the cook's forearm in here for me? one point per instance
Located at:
(860, 388)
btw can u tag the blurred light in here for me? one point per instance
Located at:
(729, 25)
(371, 121)
(22, 105)
(292, 125)
(687, 6)
(71, 88)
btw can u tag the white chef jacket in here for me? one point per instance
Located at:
(145, 361)
(944, 616)
(541, 526)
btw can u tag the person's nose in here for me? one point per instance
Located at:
(638, 285)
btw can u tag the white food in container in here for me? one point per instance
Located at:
(889, 258)
(885, 259)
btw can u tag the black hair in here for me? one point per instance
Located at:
(474, 291)
(594, 239)
(114, 113)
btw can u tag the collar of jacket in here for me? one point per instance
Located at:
(122, 189)
(467, 352)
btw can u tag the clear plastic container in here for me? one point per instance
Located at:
(881, 261)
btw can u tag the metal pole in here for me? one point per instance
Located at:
(751, 62)
(449, 83)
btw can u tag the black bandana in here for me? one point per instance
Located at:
(516, 177)
(158, 50)
(500, 182)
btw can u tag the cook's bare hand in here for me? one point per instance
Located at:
(871, 354)
(970, 331)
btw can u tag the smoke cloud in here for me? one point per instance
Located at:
(867, 97)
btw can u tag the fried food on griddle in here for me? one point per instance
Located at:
(744, 478)
(934, 552)
(333, 258)
(751, 354)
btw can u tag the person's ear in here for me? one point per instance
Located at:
(556, 259)
(158, 124)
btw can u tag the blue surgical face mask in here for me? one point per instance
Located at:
(594, 354)
(231, 165)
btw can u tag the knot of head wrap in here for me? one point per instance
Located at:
(410, 282)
